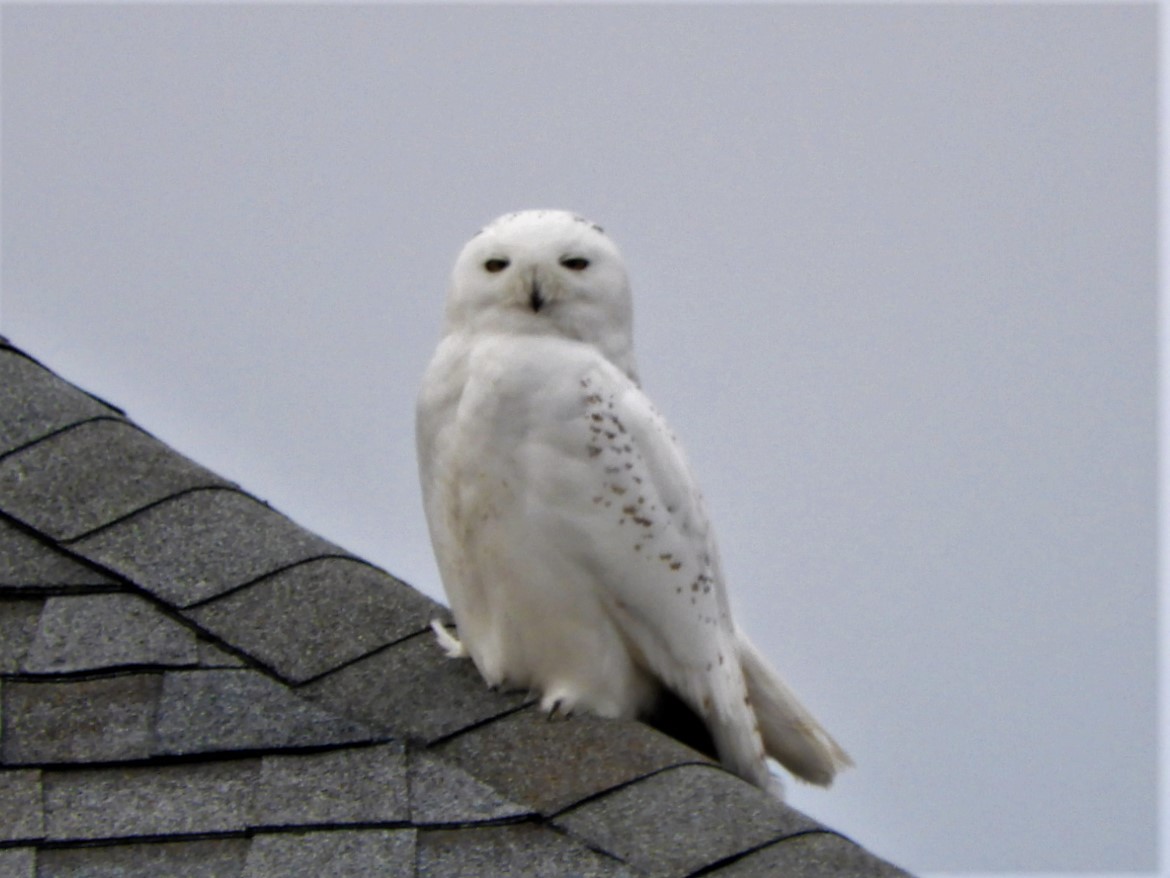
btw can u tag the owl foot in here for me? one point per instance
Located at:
(448, 642)
(556, 708)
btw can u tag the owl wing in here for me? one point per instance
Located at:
(645, 535)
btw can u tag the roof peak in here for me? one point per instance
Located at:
(194, 684)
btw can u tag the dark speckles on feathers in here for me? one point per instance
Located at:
(577, 218)
(593, 450)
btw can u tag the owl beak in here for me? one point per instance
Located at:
(536, 299)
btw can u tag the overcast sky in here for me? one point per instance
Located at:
(894, 272)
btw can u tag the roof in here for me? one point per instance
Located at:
(194, 685)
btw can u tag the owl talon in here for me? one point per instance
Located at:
(558, 709)
(448, 642)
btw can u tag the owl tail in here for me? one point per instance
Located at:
(791, 734)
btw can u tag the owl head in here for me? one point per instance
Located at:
(544, 272)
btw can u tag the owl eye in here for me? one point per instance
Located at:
(575, 263)
(495, 265)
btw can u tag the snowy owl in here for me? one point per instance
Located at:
(570, 535)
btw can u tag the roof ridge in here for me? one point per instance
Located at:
(7, 345)
(188, 676)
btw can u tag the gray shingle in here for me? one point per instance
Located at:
(552, 764)
(27, 563)
(411, 691)
(69, 721)
(442, 793)
(87, 632)
(210, 858)
(34, 402)
(316, 616)
(116, 803)
(353, 785)
(91, 475)
(209, 711)
(814, 855)
(682, 820)
(18, 862)
(18, 627)
(211, 656)
(339, 854)
(228, 539)
(519, 849)
(21, 817)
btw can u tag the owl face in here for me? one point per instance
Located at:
(544, 272)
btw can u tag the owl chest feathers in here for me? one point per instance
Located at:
(516, 545)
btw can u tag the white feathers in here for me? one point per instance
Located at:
(570, 535)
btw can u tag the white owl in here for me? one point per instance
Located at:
(570, 534)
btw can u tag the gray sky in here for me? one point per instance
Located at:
(895, 286)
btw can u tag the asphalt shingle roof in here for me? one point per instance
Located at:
(193, 685)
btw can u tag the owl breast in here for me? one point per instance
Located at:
(517, 449)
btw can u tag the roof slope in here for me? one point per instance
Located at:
(193, 685)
